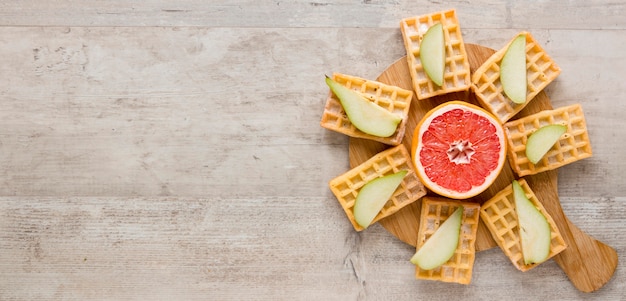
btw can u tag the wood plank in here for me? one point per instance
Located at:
(476, 14)
(197, 248)
(93, 248)
(82, 116)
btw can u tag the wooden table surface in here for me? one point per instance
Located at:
(171, 150)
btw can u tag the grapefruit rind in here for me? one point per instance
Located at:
(417, 146)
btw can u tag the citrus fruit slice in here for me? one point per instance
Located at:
(458, 149)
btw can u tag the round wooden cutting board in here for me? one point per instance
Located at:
(588, 263)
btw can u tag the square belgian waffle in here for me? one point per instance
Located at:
(393, 99)
(435, 211)
(457, 69)
(540, 71)
(346, 186)
(500, 217)
(572, 146)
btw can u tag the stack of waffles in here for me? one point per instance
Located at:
(540, 71)
(457, 69)
(500, 217)
(393, 99)
(572, 146)
(346, 186)
(459, 267)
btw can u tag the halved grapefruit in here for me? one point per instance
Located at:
(458, 149)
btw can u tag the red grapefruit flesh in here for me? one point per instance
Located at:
(458, 149)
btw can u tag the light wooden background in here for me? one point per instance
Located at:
(171, 150)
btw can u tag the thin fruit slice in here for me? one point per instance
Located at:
(433, 53)
(373, 196)
(365, 115)
(458, 150)
(534, 229)
(440, 247)
(513, 70)
(541, 141)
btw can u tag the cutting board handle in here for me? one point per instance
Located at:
(587, 262)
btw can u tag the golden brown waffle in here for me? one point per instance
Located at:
(347, 186)
(540, 71)
(459, 268)
(500, 217)
(391, 98)
(572, 146)
(457, 69)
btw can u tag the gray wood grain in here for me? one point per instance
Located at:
(164, 151)
(552, 14)
(248, 248)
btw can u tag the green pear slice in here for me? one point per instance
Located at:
(373, 196)
(433, 53)
(534, 230)
(365, 115)
(542, 140)
(513, 70)
(440, 247)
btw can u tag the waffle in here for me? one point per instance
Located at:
(346, 187)
(457, 69)
(499, 216)
(391, 98)
(459, 268)
(572, 146)
(540, 70)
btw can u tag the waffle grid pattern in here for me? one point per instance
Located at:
(540, 69)
(574, 145)
(457, 70)
(394, 99)
(500, 217)
(434, 212)
(346, 186)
